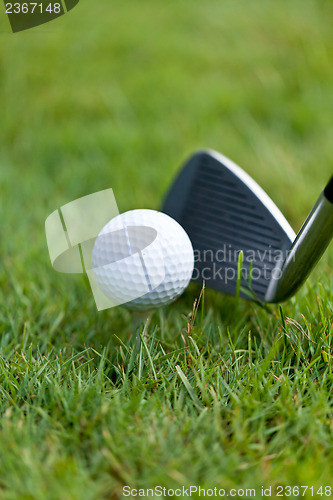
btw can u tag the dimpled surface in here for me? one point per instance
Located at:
(142, 259)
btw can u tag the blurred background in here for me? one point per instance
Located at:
(119, 95)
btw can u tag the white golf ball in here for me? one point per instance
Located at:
(142, 259)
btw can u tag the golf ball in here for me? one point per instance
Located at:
(142, 259)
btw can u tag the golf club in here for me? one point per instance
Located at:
(235, 227)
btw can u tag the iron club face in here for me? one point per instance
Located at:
(226, 213)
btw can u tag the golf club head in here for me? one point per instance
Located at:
(225, 212)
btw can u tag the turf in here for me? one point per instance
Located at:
(222, 393)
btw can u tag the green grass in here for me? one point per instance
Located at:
(118, 96)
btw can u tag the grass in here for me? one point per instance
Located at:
(118, 96)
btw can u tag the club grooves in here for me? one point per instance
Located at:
(222, 212)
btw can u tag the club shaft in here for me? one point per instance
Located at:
(308, 247)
